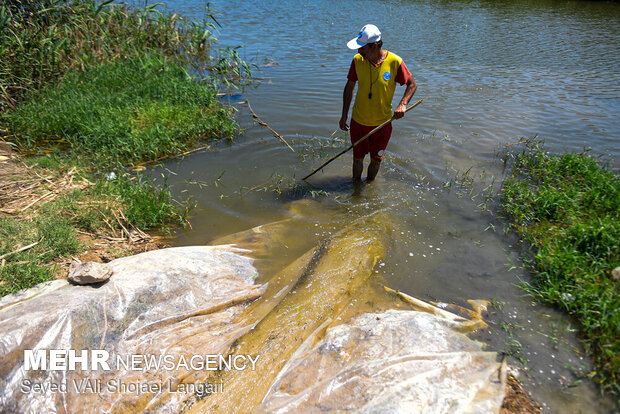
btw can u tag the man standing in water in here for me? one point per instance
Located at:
(377, 72)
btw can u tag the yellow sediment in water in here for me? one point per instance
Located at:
(326, 281)
(275, 245)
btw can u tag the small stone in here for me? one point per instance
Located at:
(616, 273)
(88, 273)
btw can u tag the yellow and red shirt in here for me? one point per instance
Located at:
(375, 90)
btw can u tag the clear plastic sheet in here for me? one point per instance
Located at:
(200, 300)
(179, 301)
(394, 362)
(313, 289)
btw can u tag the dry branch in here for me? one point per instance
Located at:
(20, 195)
(21, 249)
(263, 123)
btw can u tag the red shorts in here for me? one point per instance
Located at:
(374, 144)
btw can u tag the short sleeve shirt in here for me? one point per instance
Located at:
(376, 85)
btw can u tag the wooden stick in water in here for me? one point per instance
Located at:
(263, 123)
(360, 140)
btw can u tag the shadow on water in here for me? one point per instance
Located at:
(338, 187)
(313, 188)
(230, 98)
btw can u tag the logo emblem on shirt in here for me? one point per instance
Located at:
(387, 75)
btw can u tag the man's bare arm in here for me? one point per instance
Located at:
(347, 97)
(402, 106)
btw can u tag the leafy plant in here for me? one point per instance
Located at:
(568, 208)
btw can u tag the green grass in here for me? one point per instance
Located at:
(145, 205)
(55, 237)
(101, 120)
(142, 203)
(18, 276)
(41, 40)
(47, 161)
(92, 210)
(568, 208)
(121, 112)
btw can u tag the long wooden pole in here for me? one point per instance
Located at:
(360, 140)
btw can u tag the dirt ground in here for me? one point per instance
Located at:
(23, 189)
(517, 399)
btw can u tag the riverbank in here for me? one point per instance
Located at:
(50, 217)
(102, 246)
(108, 91)
(567, 209)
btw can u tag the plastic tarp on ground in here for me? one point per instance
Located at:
(196, 301)
(399, 361)
(177, 301)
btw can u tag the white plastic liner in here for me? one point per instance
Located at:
(179, 301)
(192, 301)
(393, 362)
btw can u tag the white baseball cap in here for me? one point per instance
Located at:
(369, 34)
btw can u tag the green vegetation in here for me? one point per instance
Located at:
(568, 208)
(55, 237)
(122, 112)
(106, 208)
(93, 87)
(41, 40)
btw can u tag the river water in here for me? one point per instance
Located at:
(491, 73)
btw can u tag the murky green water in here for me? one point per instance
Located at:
(490, 73)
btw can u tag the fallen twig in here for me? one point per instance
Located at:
(135, 230)
(21, 249)
(105, 220)
(103, 236)
(258, 186)
(37, 200)
(122, 226)
(36, 173)
(263, 123)
(516, 143)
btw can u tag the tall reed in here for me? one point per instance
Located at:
(41, 40)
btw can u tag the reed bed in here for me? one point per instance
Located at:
(40, 41)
